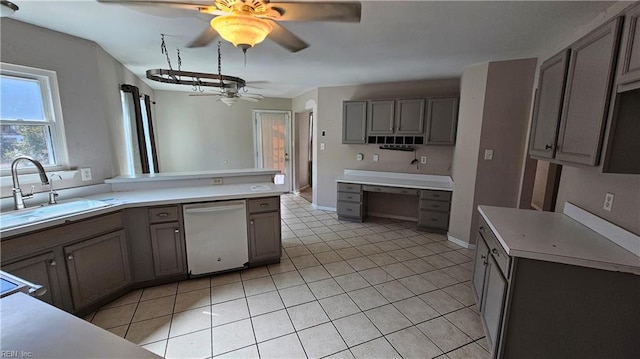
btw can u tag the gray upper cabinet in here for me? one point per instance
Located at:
(380, 117)
(442, 121)
(548, 106)
(97, 267)
(354, 121)
(587, 93)
(410, 117)
(630, 48)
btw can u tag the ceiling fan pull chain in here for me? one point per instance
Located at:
(179, 60)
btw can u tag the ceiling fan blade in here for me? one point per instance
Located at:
(347, 11)
(286, 38)
(205, 6)
(204, 39)
(250, 99)
(204, 94)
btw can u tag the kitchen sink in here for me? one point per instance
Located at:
(25, 216)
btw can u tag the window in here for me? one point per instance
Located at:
(30, 117)
(138, 130)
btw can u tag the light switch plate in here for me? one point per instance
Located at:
(608, 202)
(216, 180)
(322, 146)
(488, 155)
(359, 157)
(376, 157)
(423, 160)
(85, 174)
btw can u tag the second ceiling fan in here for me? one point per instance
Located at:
(246, 23)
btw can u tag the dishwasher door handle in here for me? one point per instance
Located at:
(213, 209)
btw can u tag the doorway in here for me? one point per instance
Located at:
(303, 164)
(273, 142)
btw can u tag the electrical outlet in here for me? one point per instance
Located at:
(322, 146)
(359, 157)
(216, 180)
(488, 155)
(85, 174)
(423, 160)
(608, 202)
(376, 158)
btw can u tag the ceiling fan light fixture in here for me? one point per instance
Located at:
(7, 8)
(242, 31)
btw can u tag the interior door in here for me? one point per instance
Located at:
(273, 142)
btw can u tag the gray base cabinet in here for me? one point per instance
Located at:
(42, 270)
(434, 210)
(265, 238)
(167, 246)
(97, 267)
(351, 202)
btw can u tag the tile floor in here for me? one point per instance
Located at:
(377, 289)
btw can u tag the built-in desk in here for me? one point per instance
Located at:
(425, 199)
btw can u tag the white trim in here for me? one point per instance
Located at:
(323, 208)
(460, 242)
(257, 143)
(615, 234)
(392, 216)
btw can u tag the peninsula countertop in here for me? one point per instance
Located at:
(556, 237)
(397, 179)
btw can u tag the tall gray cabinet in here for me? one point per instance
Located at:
(354, 122)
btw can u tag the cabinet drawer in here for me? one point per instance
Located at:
(349, 187)
(396, 190)
(433, 219)
(349, 197)
(163, 214)
(495, 248)
(349, 209)
(268, 204)
(435, 205)
(435, 195)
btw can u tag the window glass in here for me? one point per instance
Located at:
(21, 99)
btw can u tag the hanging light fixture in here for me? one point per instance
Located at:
(243, 31)
(7, 8)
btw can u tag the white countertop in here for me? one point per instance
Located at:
(172, 176)
(35, 329)
(155, 197)
(556, 237)
(397, 179)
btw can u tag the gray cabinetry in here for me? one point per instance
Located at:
(630, 47)
(43, 270)
(265, 239)
(167, 246)
(380, 117)
(591, 68)
(442, 121)
(409, 117)
(548, 106)
(479, 270)
(433, 212)
(97, 267)
(354, 122)
(495, 288)
(351, 202)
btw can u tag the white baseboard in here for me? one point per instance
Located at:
(460, 242)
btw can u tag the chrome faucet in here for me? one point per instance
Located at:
(18, 197)
(53, 194)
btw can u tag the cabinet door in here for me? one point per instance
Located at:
(380, 117)
(548, 106)
(410, 117)
(264, 236)
(479, 270)
(167, 247)
(495, 287)
(42, 270)
(630, 48)
(354, 121)
(587, 95)
(442, 121)
(97, 267)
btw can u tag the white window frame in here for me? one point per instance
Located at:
(48, 81)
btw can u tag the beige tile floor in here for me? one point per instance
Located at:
(378, 289)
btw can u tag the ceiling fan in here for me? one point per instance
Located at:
(231, 94)
(246, 23)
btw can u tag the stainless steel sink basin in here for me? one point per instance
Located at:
(21, 217)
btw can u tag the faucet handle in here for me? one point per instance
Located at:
(30, 194)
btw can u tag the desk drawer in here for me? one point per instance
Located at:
(269, 204)
(435, 205)
(349, 197)
(433, 219)
(396, 190)
(435, 195)
(349, 187)
(163, 214)
(495, 248)
(349, 209)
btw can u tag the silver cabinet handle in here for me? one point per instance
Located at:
(251, 222)
(495, 251)
(484, 259)
(264, 205)
(163, 214)
(176, 230)
(70, 257)
(53, 263)
(548, 147)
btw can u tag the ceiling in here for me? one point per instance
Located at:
(395, 41)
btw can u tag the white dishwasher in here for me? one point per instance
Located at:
(216, 236)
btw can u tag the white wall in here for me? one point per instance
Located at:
(88, 80)
(330, 163)
(196, 133)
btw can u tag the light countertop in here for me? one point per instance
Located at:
(172, 176)
(396, 179)
(35, 329)
(155, 197)
(556, 237)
